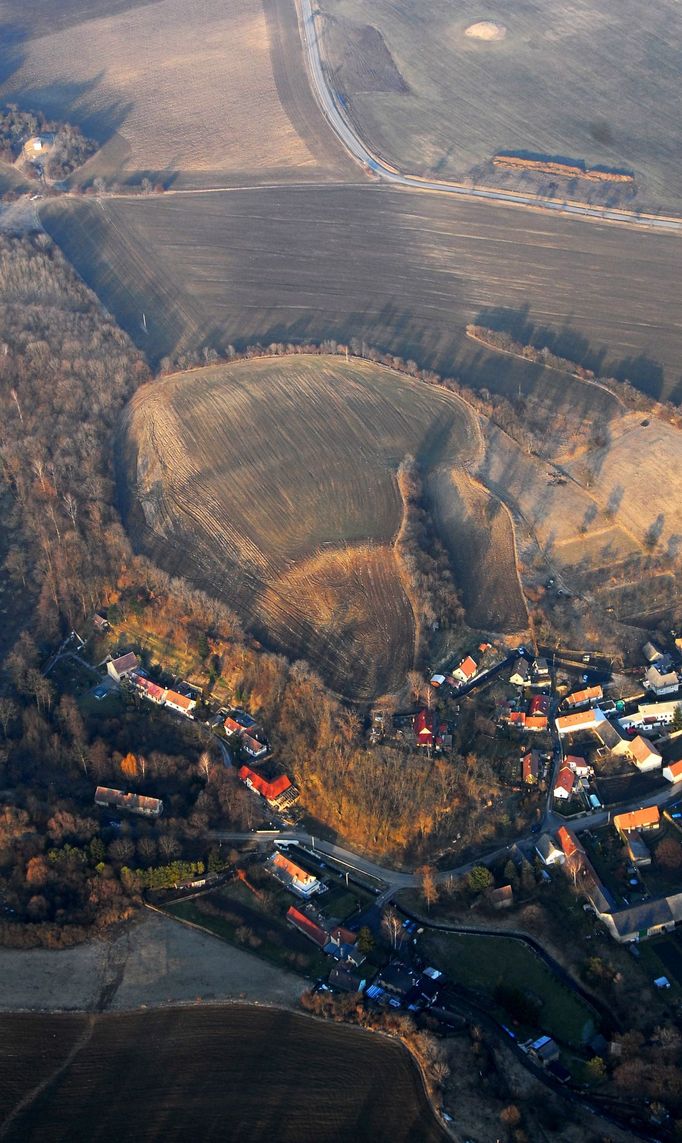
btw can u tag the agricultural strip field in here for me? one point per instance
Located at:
(188, 94)
(223, 1072)
(404, 271)
(558, 80)
(271, 482)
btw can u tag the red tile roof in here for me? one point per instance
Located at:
(180, 700)
(586, 695)
(638, 819)
(468, 667)
(565, 780)
(269, 790)
(531, 766)
(539, 704)
(568, 842)
(423, 727)
(305, 925)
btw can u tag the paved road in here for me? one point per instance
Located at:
(396, 879)
(347, 135)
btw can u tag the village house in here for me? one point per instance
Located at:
(251, 746)
(99, 623)
(640, 752)
(582, 698)
(578, 765)
(673, 772)
(530, 767)
(651, 716)
(540, 671)
(125, 665)
(548, 851)
(565, 783)
(636, 923)
(180, 703)
(647, 818)
(660, 682)
(279, 793)
(536, 717)
(502, 898)
(424, 728)
(292, 876)
(581, 720)
(309, 928)
(520, 676)
(132, 803)
(343, 946)
(637, 849)
(437, 680)
(344, 979)
(466, 670)
(651, 652)
(149, 690)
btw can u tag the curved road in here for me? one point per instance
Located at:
(351, 141)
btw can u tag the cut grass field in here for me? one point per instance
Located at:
(271, 482)
(563, 80)
(216, 1073)
(187, 94)
(483, 963)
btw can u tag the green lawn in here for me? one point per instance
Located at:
(483, 963)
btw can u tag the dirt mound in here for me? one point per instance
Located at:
(486, 30)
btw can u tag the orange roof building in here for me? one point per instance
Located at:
(647, 818)
(673, 772)
(276, 792)
(293, 876)
(569, 843)
(309, 929)
(589, 694)
(466, 670)
(180, 703)
(582, 720)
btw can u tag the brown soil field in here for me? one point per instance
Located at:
(404, 271)
(188, 94)
(560, 80)
(215, 1073)
(271, 482)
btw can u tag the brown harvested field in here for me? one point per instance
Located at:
(191, 94)
(404, 271)
(271, 482)
(479, 536)
(215, 1073)
(562, 80)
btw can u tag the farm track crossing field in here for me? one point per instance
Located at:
(558, 79)
(216, 1073)
(188, 94)
(404, 271)
(271, 482)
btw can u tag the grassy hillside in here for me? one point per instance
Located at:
(558, 79)
(273, 483)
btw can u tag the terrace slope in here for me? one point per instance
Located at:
(271, 482)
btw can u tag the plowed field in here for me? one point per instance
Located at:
(218, 1073)
(272, 483)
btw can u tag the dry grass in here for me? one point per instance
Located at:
(565, 79)
(175, 89)
(272, 483)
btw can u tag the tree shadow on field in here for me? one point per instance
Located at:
(566, 341)
(642, 372)
(61, 101)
